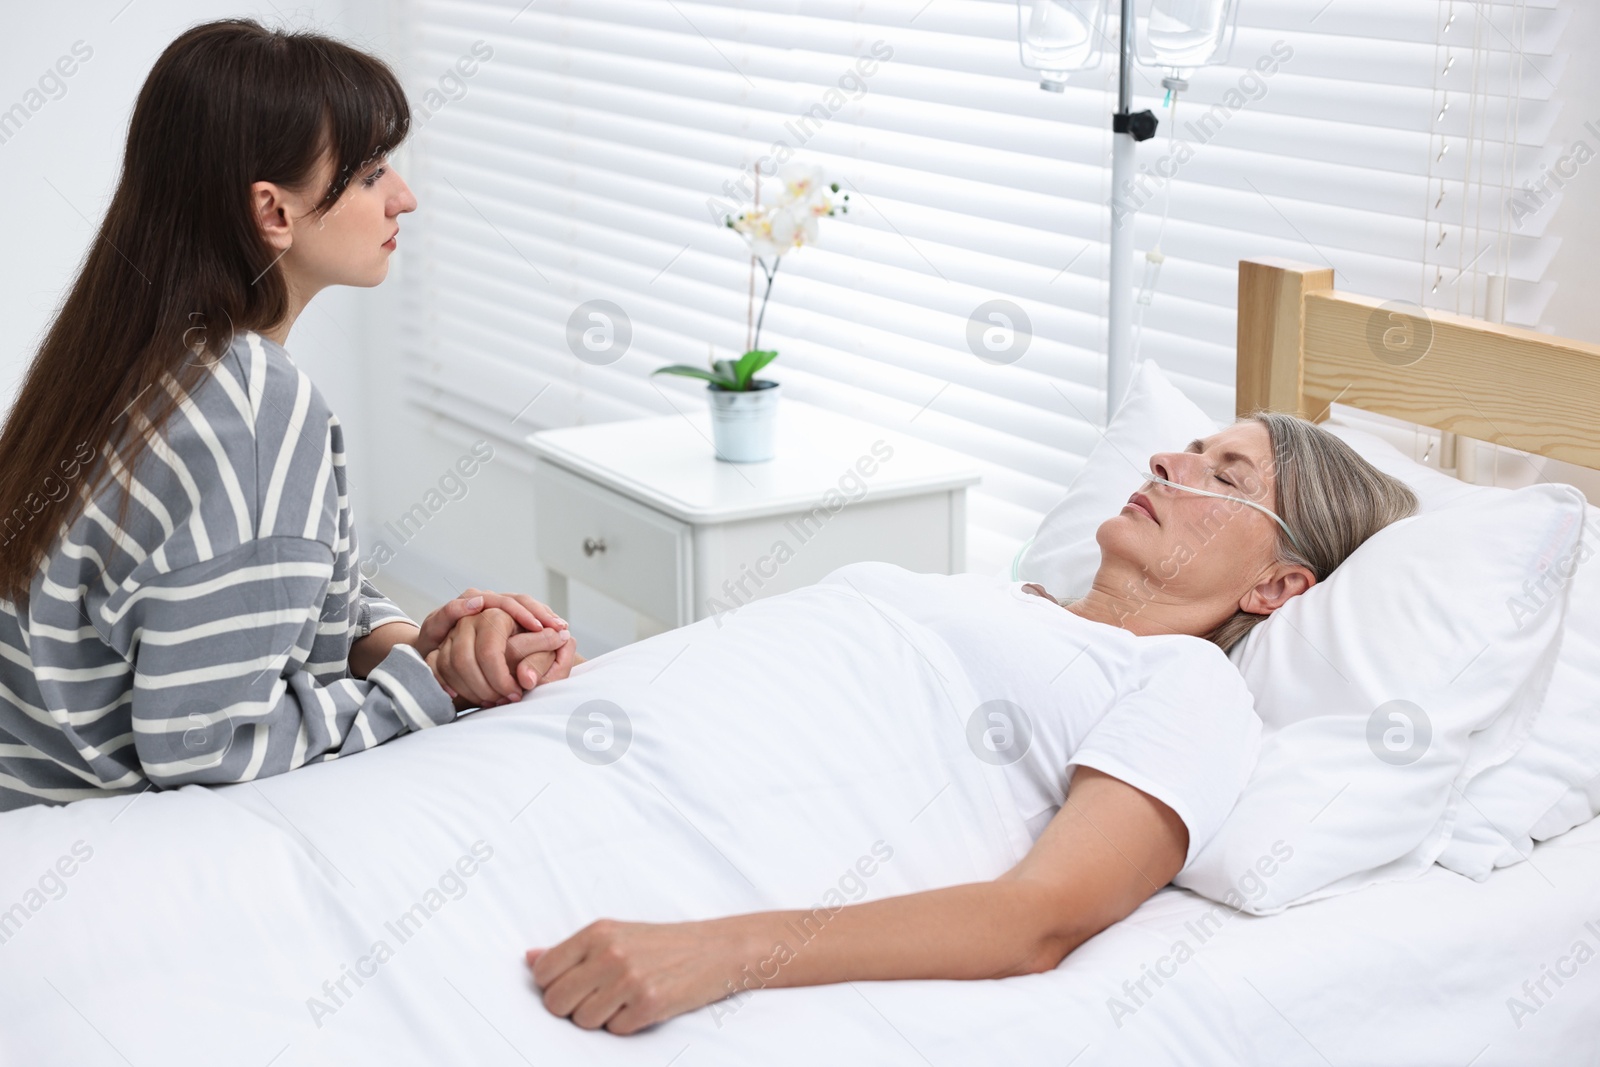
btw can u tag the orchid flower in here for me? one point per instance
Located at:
(771, 230)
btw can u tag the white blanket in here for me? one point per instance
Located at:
(268, 922)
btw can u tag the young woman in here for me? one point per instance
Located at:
(1151, 746)
(181, 594)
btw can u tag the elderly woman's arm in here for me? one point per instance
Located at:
(1109, 848)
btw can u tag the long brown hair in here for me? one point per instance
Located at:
(179, 264)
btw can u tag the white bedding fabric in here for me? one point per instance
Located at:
(1551, 781)
(203, 921)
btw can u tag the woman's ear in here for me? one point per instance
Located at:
(1277, 588)
(269, 206)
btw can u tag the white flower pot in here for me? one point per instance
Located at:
(742, 423)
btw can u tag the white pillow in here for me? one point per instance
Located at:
(1154, 417)
(1549, 779)
(1358, 786)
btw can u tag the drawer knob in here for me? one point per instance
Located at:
(591, 545)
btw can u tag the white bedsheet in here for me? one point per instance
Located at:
(767, 757)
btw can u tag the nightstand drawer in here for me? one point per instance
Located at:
(610, 543)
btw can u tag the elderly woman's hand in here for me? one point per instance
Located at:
(626, 976)
(532, 665)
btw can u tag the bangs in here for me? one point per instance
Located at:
(365, 116)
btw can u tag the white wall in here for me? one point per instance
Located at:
(58, 171)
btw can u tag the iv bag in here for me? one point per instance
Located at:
(1056, 37)
(1180, 35)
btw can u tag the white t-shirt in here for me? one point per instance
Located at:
(1169, 715)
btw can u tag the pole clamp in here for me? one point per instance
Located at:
(1140, 125)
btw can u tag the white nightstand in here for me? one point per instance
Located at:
(643, 511)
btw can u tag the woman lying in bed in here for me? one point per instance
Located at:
(1151, 747)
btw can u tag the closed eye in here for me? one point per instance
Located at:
(1198, 449)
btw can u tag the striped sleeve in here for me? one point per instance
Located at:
(376, 609)
(221, 692)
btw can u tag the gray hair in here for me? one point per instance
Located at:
(1331, 498)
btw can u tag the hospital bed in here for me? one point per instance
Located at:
(375, 910)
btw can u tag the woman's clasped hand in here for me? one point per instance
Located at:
(490, 648)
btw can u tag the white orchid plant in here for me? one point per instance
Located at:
(771, 231)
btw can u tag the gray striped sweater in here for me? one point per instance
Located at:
(212, 645)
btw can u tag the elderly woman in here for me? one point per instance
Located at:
(1150, 748)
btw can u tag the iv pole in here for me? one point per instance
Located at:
(1127, 129)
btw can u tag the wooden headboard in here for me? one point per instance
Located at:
(1304, 345)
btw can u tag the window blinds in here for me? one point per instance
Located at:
(577, 150)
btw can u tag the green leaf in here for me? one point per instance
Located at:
(696, 372)
(752, 362)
